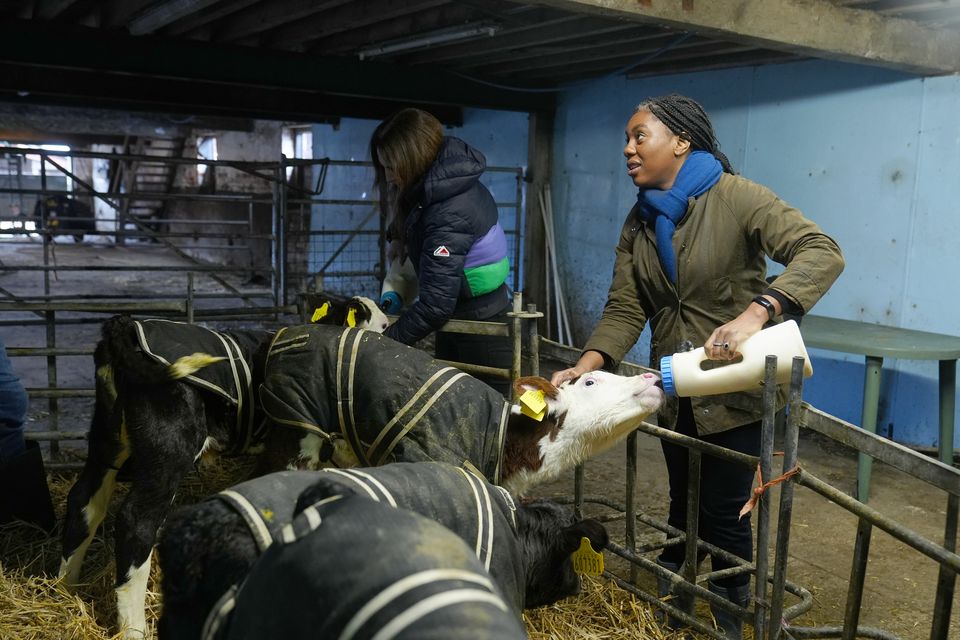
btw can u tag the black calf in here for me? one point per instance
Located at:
(208, 548)
(166, 392)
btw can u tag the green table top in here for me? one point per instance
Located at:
(877, 340)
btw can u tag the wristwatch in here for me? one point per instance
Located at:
(766, 304)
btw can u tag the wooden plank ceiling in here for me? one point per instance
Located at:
(317, 59)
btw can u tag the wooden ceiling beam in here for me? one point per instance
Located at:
(816, 28)
(698, 51)
(345, 18)
(635, 48)
(448, 15)
(559, 28)
(159, 14)
(575, 48)
(51, 9)
(99, 89)
(47, 47)
(269, 15)
(196, 20)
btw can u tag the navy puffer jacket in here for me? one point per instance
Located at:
(458, 249)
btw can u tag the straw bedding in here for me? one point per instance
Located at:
(34, 606)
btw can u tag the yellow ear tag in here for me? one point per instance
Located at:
(533, 405)
(351, 317)
(586, 560)
(321, 312)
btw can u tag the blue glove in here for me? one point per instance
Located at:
(390, 302)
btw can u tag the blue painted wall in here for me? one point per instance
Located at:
(500, 135)
(873, 156)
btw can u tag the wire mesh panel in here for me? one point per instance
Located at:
(334, 226)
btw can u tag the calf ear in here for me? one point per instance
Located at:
(595, 532)
(357, 313)
(325, 487)
(535, 383)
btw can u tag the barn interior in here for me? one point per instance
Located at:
(208, 160)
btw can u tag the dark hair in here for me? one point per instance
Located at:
(409, 141)
(687, 119)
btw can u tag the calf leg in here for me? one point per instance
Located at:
(167, 435)
(138, 521)
(90, 495)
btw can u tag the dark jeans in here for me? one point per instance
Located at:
(489, 351)
(13, 408)
(724, 488)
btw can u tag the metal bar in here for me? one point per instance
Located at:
(941, 475)
(630, 534)
(699, 445)
(791, 438)
(282, 233)
(516, 333)
(946, 579)
(28, 352)
(54, 392)
(190, 299)
(689, 568)
(858, 574)
(479, 369)
(145, 195)
(871, 402)
(877, 519)
(578, 485)
(518, 221)
(200, 268)
(93, 307)
(762, 559)
(533, 339)
(56, 435)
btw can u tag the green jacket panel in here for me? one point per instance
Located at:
(721, 246)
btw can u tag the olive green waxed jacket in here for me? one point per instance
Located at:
(721, 244)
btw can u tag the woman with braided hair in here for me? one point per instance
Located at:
(691, 260)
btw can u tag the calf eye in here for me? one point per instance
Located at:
(589, 382)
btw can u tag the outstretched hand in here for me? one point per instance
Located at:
(724, 343)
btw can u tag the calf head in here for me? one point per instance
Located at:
(583, 417)
(549, 534)
(358, 311)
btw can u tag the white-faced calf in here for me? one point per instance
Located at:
(355, 398)
(166, 392)
(207, 549)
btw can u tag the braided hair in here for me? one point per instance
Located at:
(687, 119)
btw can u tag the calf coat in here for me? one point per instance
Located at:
(353, 568)
(373, 400)
(166, 392)
(208, 548)
(354, 398)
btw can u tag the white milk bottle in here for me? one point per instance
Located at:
(683, 374)
(400, 286)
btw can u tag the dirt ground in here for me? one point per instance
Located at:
(900, 584)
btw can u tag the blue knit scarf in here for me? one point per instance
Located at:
(664, 209)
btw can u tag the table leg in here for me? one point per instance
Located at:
(868, 421)
(946, 581)
(948, 405)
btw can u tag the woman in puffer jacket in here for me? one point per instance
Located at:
(446, 223)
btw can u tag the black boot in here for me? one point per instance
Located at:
(25, 494)
(730, 625)
(681, 601)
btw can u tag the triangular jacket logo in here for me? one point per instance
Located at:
(442, 251)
